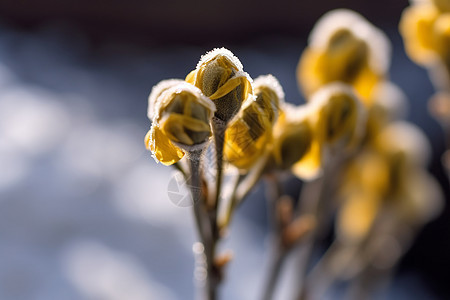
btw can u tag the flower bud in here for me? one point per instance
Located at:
(247, 136)
(220, 76)
(338, 114)
(269, 96)
(357, 215)
(442, 5)
(345, 47)
(181, 118)
(389, 103)
(442, 35)
(404, 140)
(295, 142)
(416, 28)
(295, 145)
(157, 91)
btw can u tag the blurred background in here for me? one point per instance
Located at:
(84, 209)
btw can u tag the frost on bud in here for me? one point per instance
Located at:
(220, 76)
(181, 117)
(345, 47)
(157, 91)
(405, 141)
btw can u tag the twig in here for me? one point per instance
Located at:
(273, 193)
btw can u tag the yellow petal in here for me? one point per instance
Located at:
(357, 215)
(226, 88)
(163, 150)
(190, 78)
(310, 166)
(174, 126)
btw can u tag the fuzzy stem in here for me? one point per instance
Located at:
(213, 273)
(218, 129)
(194, 181)
(206, 223)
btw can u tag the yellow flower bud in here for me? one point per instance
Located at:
(345, 47)
(356, 216)
(421, 198)
(404, 140)
(368, 171)
(220, 76)
(441, 31)
(338, 114)
(416, 27)
(292, 143)
(442, 5)
(181, 117)
(295, 145)
(389, 103)
(157, 91)
(269, 95)
(247, 136)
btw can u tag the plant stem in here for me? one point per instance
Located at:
(274, 272)
(213, 273)
(242, 187)
(273, 193)
(316, 193)
(206, 223)
(194, 181)
(218, 128)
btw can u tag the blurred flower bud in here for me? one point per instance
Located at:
(357, 215)
(295, 145)
(416, 28)
(220, 76)
(343, 46)
(181, 117)
(441, 32)
(442, 5)
(368, 171)
(402, 140)
(389, 103)
(439, 106)
(420, 199)
(338, 115)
